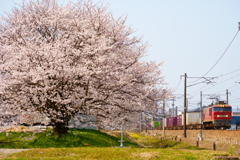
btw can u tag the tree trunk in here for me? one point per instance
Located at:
(60, 128)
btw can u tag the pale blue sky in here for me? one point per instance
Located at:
(189, 36)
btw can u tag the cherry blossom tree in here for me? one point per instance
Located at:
(62, 60)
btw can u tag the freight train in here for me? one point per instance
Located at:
(214, 116)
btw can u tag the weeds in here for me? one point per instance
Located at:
(135, 136)
(156, 142)
(231, 149)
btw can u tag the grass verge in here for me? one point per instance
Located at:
(96, 145)
(96, 153)
(75, 138)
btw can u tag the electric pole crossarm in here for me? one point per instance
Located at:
(185, 98)
(206, 80)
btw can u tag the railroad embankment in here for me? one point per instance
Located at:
(223, 139)
(210, 135)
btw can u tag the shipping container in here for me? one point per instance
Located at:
(156, 124)
(169, 121)
(193, 118)
(179, 120)
(174, 121)
(235, 123)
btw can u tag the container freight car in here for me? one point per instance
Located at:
(235, 123)
(192, 121)
(170, 121)
(173, 123)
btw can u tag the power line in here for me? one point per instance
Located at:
(216, 77)
(178, 85)
(217, 83)
(224, 81)
(235, 100)
(222, 54)
(229, 88)
(202, 88)
(220, 57)
(199, 89)
(235, 89)
(208, 72)
(228, 73)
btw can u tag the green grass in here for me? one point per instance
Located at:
(108, 153)
(75, 138)
(156, 142)
(96, 145)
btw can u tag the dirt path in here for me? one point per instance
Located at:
(6, 152)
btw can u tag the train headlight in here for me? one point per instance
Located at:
(222, 115)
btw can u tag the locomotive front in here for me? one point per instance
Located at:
(217, 116)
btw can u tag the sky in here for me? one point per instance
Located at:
(199, 38)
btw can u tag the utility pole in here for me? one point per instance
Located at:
(163, 117)
(163, 113)
(145, 118)
(176, 111)
(185, 106)
(207, 80)
(227, 95)
(141, 122)
(200, 135)
(173, 107)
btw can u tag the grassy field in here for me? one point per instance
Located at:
(103, 153)
(96, 145)
(75, 138)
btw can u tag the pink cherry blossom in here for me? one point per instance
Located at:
(62, 60)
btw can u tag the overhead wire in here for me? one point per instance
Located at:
(214, 66)
(195, 92)
(224, 81)
(201, 89)
(235, 89)
(219, 58)
(222, 54)
(177, 85)
(235, 100)
(217, 83)
(228, 73)
(228, 88)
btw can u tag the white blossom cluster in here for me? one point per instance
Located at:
(63, 60)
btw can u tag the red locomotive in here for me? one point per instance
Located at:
(217, 116)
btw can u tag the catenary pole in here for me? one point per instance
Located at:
(185, 98)
(227, 95)
(185, 105)
(163, 125)
(200, 135)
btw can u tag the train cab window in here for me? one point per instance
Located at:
(218, 109)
